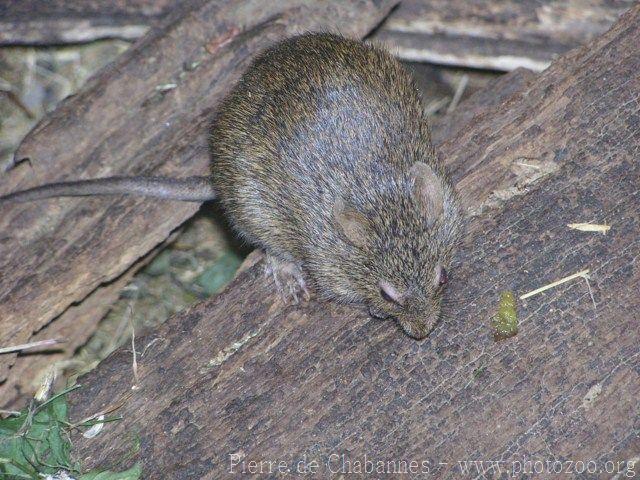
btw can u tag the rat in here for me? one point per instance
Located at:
(322, 157)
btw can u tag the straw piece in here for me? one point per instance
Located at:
(583, 274)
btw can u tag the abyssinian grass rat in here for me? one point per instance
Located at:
(322, 157)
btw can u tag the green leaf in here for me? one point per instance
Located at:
(12, 450)
(11, 466)
(58, 409)
(60, 448)
(219, 274)
(133, 473)
(159, 265)
(39, 428)
(11, 425)
(35, 443)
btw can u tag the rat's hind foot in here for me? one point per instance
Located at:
(288, 279)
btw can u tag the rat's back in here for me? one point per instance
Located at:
(313, 118)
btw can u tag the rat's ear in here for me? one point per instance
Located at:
(352, 224)
(427, 187)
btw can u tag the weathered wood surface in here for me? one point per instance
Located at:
(46, 22)
(495, 34)
(245, 375)
(147, 112)
(484, 100)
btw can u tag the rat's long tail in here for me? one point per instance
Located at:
(189, 189)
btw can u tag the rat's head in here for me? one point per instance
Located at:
(400, 248)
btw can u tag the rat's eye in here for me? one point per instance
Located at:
(444, 278)
(386, 296)
(441, 276)
(389, 293)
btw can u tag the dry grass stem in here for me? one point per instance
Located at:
(583, 273)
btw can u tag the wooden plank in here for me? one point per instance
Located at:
(481, 102)
(244, 378)
(495, 34)
(491, 34)
(46, 22)
(147, 112)
(75, 326)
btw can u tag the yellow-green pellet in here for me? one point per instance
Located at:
(505, 322)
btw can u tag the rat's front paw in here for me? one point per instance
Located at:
(288, 279)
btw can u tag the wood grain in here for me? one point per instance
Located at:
(495, 34)
(490, 34)
(243, 377)
(46, 22)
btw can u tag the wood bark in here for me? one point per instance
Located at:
(146, 113)
(244, 377)
(500, 35)
(497, 35)
(46, 22)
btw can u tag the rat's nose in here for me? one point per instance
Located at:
(415, 330)
(420, 325)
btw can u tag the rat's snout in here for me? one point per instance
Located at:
(417, 323)
(419, 326)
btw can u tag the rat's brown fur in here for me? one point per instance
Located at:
(322, 157)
